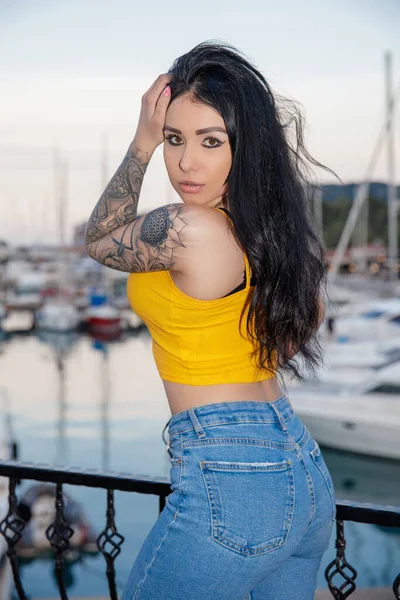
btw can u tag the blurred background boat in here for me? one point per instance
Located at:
(359, 412)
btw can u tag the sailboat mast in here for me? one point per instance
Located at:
(60, 168)
(363, 190)
(57, 203)
(391, 190)
(63, 201)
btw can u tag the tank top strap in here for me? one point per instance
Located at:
(247, 267)
(246, 260)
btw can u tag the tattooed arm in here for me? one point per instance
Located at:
(118, 203)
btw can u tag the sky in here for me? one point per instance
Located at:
(72, 74)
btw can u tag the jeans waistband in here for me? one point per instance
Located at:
(278, 411)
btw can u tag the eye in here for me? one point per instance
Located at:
(169, 138)
(214, 139)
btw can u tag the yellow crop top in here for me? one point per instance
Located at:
(197, 342)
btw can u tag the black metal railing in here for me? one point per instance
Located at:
(109, 541)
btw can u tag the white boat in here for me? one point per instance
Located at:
(375, 321)
(32, 282)
(362, 417)
(341, 358)
(25, 301)
(18, 321)
(361, 354)
(343, 296)
(57, 315)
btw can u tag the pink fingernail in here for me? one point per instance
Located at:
(167, 91)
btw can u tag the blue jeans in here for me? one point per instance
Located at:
(250, 513)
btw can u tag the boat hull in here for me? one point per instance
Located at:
(365, 425)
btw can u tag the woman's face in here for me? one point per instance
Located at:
(203, 158)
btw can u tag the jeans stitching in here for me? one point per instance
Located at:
(235, 422)
(239, 441)
(288, 446)
(321, 470)
(141, 582)
(310, 486)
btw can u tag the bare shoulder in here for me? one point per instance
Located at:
(214, 262)
(206, 224)
(209, 236)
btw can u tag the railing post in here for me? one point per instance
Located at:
(161, 503)
(11, 528)
(396, 587)
(338, 565)
(110, 537)
(58, 534)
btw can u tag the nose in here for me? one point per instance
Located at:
(188, 161)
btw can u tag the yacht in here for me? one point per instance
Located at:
(359, 414)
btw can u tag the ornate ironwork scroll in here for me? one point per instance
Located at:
(11, 528)
(59, 534)
(339, 565)
(109, 543)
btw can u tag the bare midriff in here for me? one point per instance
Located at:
(182, 396)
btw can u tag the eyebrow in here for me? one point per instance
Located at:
(198, 132)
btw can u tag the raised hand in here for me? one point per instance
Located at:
(155, 101)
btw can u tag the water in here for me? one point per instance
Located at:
(74, 401)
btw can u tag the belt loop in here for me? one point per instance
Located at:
(164, 430)
(167, 443)
(283, 425)
(195, 422)
(278, 415)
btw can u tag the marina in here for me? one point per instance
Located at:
(91, 405)
(91, 397)
(101, 405)
(84, 465)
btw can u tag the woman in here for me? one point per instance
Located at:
(229, 283)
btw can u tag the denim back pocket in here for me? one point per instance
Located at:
(251, 504)
(320, 463)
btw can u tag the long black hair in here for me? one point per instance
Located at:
(268, 198)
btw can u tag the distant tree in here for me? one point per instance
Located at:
(335, 214)
(334, 217)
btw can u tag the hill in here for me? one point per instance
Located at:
(377, 189)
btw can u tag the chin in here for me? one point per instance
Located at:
(192, 202)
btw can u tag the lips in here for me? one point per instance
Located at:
(190, 188)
